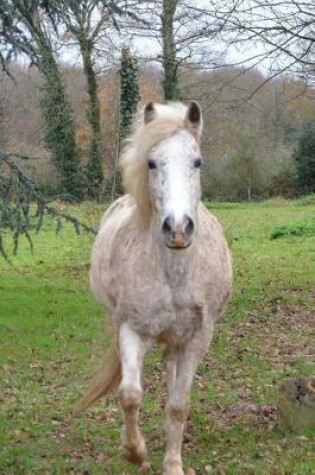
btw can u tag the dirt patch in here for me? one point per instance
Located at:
(279, 330)
(245, 414)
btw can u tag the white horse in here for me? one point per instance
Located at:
(161, 266)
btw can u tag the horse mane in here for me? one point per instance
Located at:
(133, 161)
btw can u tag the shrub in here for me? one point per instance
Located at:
(306, 228)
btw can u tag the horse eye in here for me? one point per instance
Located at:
(152, 164)
(197, 163)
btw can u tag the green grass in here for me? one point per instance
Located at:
(53, 334)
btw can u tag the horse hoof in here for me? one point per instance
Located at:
(174, 468)
(145, 466)
(135, 453)
(134, 456)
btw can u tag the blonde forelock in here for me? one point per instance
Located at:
(133, 161)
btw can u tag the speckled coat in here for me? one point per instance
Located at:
(164, 294)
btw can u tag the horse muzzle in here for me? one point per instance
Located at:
(178, 235)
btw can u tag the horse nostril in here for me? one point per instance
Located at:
(190, 226)
(167, 227)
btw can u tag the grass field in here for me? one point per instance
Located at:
(53, 334)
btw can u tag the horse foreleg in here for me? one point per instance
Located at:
(132, 350)
(171, 368)
(177, 407)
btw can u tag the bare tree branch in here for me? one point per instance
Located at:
(23, 207)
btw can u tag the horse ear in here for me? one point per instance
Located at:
(193, 120)
(149, 112)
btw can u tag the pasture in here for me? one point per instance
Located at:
(53, 334)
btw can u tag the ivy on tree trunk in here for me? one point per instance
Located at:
(59, 129)
(129, 98)
(305, 158)
(94, 169)
(170, 64)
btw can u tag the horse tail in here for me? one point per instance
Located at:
(106, 381)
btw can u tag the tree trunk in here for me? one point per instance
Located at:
(296, 404)
(170, 82)
(59, 126)
(249, 193)
(95, 173)
(129, 98)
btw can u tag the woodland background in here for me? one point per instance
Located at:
(248, 145)
(64, 98)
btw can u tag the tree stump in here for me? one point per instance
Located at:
(296, 403)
